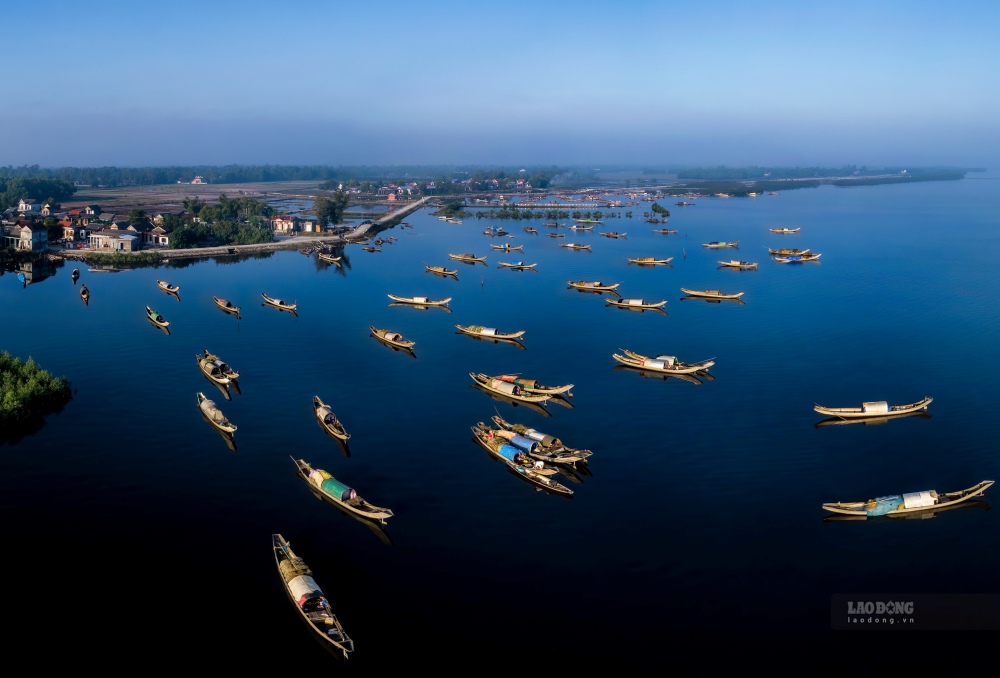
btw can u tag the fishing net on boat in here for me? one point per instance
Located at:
(292, 568)
(476, 328)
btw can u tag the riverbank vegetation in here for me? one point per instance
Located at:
(27, 391)
(122, 259)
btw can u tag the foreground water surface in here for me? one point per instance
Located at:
(701, 509)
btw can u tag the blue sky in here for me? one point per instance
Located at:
(579, 82)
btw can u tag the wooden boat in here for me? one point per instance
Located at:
(84, 293)
(545, 447)
(308, 598)
(419, 301)
(75, 275)
(744, 265)
(798, 259)
(715, 244)
(650, 261)
(711, 294)
(329, 258)
(870, 421)
(900, 504)
(664, 230)
(215, 369)
(551, 224)
(614, 234)
(467, 257)
(788, 252)
(516, 265)
(167, 287)
(529, 229)
(532, 386)
(306, 251)
(226, 306)
(214, 415)
(328, 420)
(508, 389)
(372, 249)
(581, 228)
(574, 246)
(588, 221)
(636, 303)
(343, 495)
(690, 378)
(873, 409)
(556, 235)
(508, 247)
(784, 230)
(488, 332)
(518, 461)
(278, 303)
(441, 270)
(667, 364)
(157, 319)
(378, 241)
(392, 338)
(595, 286)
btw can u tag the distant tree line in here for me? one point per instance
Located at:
(51, 191)
(723, 173)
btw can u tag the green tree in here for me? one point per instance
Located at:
(330, 210)
(54, 229)
(663, 211)
(136, 217)
(193, 205)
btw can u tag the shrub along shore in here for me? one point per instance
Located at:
(26, 391)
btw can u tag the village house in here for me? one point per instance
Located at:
(156, 236)
(198, 180)
(92, 210)
(114, 240)
(285, 224)
(28, 206)
(73, 231)
(26, 236)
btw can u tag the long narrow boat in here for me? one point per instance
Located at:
(614, 234)
(308, 598)
(167, 287)
(508, 389)
(226, 306)
(797, 258)
(664, 230)
(532, 386)
(716, 244)
(328, 420)
(575, 246)
(873, 409)
(649, 261)
(467, 257)
(419, 301)
(581, 228)
(546, 447)
(594, 286)
(214, 415)
(507, 247)
(329, 258)
(516, 265)
(556, 235)
(667, 364)
(215, 369)
(743, 265)
(529, 229)
(588, 221)
(372, 249)
(711, 294)
(157, 319)
(488, 332)
(636, 303)
(518, 461)
(84, 293)
(441, 270)
(339, 492)
(894, 505)
(784, 230)
(788, 252)
(278, 303)
(392, 338)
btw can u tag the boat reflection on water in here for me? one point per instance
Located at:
(223, 388)
(970, 505)
(165, 330)
(560, 399)
(714, 301)
(376, 528)
(283, 310)
(342, 444)
(418, 306)
(642, 310)
(397, 349)
(228, 438)
(871, 421)
(535, 407)
(690, 378)
(495, 340)
(612, 293)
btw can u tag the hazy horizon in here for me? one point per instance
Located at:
(568, 84)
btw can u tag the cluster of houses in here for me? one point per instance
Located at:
(23, 228)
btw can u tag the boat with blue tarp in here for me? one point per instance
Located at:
(518, 461)
(899, 504)
(340, 493)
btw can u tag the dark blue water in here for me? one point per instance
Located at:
(701, 516)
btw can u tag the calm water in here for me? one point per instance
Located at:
(702, 513)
